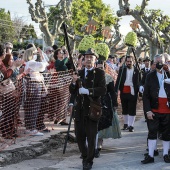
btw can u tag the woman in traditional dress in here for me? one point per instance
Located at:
(108, 124)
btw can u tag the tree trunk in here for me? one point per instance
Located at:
(138, 51)
(153, 50)
(49, 40)
(112, 51)
(72, 45)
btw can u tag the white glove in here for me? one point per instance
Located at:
(141, 89)
(82, 90)
(167, 81)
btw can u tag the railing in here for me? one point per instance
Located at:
(33, 105)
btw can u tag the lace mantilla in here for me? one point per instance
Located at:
(108, 78)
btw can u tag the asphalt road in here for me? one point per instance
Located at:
(117, 154)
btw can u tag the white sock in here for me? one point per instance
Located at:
(131, 120)
(165, 147)
(125, 118)
(156, 145)
(151, 147)
(96, 141)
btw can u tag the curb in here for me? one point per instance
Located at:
(8, 157)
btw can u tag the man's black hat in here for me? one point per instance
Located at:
(147, 59)
(110, 56)
(91, 51)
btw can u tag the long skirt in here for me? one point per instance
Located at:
(112, 131)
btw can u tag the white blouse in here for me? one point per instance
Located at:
(35, 69)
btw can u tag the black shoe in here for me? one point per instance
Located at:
(84, 162)
(131, 129)
(156, 153)
(87, 166)
(167, 158)
(45, 130)
(97, 153)
(125, 127)
(63, 123)
(148, 159)
(99, 149)
(56, 121)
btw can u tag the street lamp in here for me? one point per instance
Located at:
(91, 26)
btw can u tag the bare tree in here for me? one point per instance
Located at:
(139, 14)
(116, 39)
(18, 23)
(38, 14)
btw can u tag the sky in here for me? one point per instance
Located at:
(20, 8)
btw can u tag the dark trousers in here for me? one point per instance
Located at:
(86, 128)
(128, 102)
(160, 123)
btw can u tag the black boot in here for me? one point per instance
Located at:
(87, 166)
(131, 129)
(97, 153)
(148, 159)
(125, 127)
(167, 158)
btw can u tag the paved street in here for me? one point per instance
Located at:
(119, 154)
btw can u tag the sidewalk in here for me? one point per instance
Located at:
(29, 147)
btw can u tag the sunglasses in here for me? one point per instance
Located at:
(9, 48)
(50, 51)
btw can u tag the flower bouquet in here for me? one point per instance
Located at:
(87, 42)
(102, 50)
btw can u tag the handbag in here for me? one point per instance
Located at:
(6, 86)
(95, 110)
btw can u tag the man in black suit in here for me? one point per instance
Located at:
(128, 84)
(147, 65)
(156, 101)
(93, 85)
(142, 83)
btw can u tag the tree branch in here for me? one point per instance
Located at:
(33, 13)
(143, 6)
(121, 47)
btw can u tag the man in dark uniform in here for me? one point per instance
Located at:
(147, 65)
(156, 100)
(128, 84)
(142, 83)
(93, 85)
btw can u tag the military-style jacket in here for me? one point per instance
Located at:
(95, 83)
(151, 91)
(122, 78)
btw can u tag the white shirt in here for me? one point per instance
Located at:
(129, 82)
(162, 93)
(147, 69)
(35, 69)
(141, 66)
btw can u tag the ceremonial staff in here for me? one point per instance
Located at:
(131, 42)
(74, 69)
